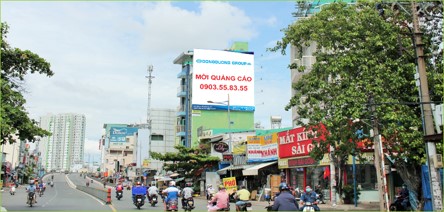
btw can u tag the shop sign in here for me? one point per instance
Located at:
(262, 148)
(221, 147)
(369, 159)
(227, 157)
(297, 142)
(283, 163)
(301, 162)
(239, 160)
(229, 182)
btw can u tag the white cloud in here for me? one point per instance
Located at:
(99, 52)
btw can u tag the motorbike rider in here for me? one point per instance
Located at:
(31, 189)
(187, 192)
(404, 196)
(41, 187)
(138, 190)
(285, 201)
(172, 192)
(12, 188)
(119, 187)
(220, 198)
(309, 196)
(210, 191)
(318, 191)
(152, 190)
(242, 196)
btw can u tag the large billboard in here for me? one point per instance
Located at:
(222, 77)
(119, 134)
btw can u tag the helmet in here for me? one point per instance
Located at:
(221, 187)
(308, 189)
(172, 183)
(31, 182)
(283, 186)
(138, 183)
(188, 184)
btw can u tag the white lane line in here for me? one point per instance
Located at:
(56, 193)
(71, 184)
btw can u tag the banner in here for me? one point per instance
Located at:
(229, 182)
(239, 147)
(262, 148)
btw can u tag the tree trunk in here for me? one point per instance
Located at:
(410, 174)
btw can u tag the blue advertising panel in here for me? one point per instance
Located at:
(119, 134)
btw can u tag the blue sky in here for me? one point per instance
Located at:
(100, 51)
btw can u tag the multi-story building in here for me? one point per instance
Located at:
(65, 147)
(119, 149)
(163, 122)
(216, 90)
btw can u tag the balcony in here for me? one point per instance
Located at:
(181, 92)
(180, 130)
(182, 74)
(180, 111)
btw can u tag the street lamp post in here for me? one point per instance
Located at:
(229, 121)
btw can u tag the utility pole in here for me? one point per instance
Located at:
(427, 113)
(379, 159)
(148, 109)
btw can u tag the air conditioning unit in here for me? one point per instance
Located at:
(437, 160)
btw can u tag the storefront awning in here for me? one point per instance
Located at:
(232, 167)
(254, 169)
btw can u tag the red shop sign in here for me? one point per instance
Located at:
(296, 142)
(301, 162)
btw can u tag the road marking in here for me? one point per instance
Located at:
(56, 192)
(74, 187)
(112, 208)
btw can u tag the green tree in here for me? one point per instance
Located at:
(361, 56)
(15, 64)
(191, 160)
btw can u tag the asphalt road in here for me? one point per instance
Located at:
(61, 197)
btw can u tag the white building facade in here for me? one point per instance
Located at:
(163, 125)
(65, 147)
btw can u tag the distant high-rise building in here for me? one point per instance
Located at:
(65, 147)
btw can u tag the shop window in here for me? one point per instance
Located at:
(365, 176)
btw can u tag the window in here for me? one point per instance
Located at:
(157, 137)
(365, 176)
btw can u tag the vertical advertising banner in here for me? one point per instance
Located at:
(221, 78)
(269, 147)
(254, 145)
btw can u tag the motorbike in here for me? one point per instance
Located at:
(397, 206)
(189, 204)
(320, 197)
(308, 207)
(119, 195)
(31, 199)
(153, 200)
(139, 201)
(222, 209)
(246, 207)
(40, 191)
(87, 184)
(172, 205)
(52, 184)
(12, 190)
